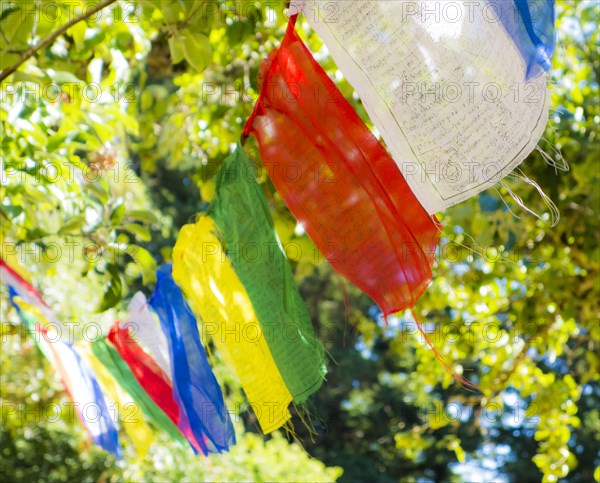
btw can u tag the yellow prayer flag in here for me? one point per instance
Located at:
(216, 294)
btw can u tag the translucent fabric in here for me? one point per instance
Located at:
(85, 391)
(218, 297)
(146, 329)
(195, 387)
(338, 180)
(150, 376)
(126, 408)
(27, 293)
(241, 213)
(530, 24)
(120, 371)
(79, 381)
(456, 89)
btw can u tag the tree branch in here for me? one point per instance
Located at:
(30, 52)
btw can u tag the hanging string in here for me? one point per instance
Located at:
(464, 382)
(554, 211)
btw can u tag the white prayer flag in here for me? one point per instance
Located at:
(451, 92)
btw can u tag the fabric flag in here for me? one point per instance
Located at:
(242, 216)
(114, 364)
(456, 89)
(151, 377)
(79, 381)
(28, 293)
(530, 25)
(338, 180)
(216, 294)
(10, 256)
(146, 329)
(195, 387)
(126, 408)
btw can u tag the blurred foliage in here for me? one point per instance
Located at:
(111, 138)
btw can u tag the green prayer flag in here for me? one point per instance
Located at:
(117, 367)
(242, 216)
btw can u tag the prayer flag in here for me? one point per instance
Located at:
(338, 180)
(456, 89)
(241, 213)
(195, 387)
(216, 294)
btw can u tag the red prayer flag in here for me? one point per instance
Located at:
(150, 376)
(339, 181)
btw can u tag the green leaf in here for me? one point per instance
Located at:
(145, 262)
(73, 225)
(142, 215)
(56, 141)
(78, 32)
(21, 76)
(17, 29)
(98, 192)
(237, 31)
(12, 210)
(117, 215)
(62, 77)
(124, 40)
(8, 11)
(112, 290)
(170, 10)
(141, 232)
(176, 48)
(196, 49)
(146, 101)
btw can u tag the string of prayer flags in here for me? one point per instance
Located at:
(241, 213)
(156, 325)
(150, 376)
(191, 408)
(456, 89)
(215, 293)
(79, 381)
(195, 387)
(338, 180)
(120, 371)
